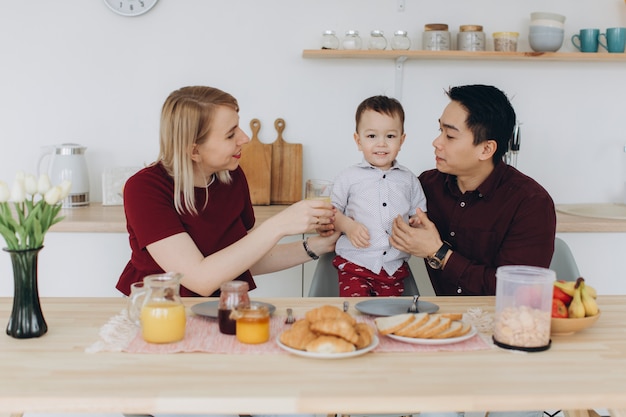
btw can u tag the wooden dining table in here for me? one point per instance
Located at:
(55, 373)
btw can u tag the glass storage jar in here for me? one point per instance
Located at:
(400, 40)
(352, 40)
(470, 38)
(377, 40)
(253, 324)
(330, 40)
(505, 41)
(233, 295)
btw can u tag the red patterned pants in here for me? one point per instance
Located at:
(356, 281)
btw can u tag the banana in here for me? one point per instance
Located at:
(568, 287)
(576, 308)
(591, 307)
(591, 291)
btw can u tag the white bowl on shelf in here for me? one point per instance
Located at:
(545, 39)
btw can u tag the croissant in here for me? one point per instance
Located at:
(298, 335)
(329, 312)
(334, 327)
(329, 344)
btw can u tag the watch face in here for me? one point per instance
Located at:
(433, 262)
(130, 7)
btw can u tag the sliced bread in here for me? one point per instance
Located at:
(433, 320)
(391, 324)
(453, 316)
(452, 331)
(419, 320)
(444, 324)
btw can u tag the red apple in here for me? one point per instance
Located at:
(559, 294)
(559, 309)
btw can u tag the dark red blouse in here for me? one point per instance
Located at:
(151, 216)
(509, 220)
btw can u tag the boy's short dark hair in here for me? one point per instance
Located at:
(381, 104)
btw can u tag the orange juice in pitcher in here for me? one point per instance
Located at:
(162, 314)
(163, 322)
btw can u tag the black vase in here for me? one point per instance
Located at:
(26, 319)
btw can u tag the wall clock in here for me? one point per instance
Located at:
(130, 7)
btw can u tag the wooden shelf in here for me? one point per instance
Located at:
(464, 55)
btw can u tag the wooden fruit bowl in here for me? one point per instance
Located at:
(570, 326)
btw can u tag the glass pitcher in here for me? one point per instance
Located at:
(161, 311)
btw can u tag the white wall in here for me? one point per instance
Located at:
(74, 71)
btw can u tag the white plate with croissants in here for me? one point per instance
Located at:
(426, 328)
(327, 332)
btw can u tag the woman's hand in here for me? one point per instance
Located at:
(323, 244)
(420, 238)
(303, 216)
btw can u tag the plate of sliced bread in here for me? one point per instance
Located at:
(327, 332)
(426, 328)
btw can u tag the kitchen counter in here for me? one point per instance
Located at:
(97, 218)
(110, 219)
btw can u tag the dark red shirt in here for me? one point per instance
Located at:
(508, 220)
(151, 216)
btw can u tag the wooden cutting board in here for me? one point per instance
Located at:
(286, 182)
(256, 162)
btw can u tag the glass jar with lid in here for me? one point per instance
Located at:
(352, 40)
(233, 295)
(330, 40)
(470, 38)
(400, 40)
(377, 40)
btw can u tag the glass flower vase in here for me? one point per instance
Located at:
(26, 320)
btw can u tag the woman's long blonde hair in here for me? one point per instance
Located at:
(186, 121)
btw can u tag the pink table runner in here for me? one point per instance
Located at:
(203, 335)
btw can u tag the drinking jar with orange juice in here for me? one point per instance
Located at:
(162, 313)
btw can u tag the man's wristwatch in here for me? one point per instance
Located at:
(436, 261)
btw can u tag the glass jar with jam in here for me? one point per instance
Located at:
(233, 295)
(252, 323)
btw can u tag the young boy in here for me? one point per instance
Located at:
(368, 196)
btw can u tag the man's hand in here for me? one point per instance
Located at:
(419, 238)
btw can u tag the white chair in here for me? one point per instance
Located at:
(563, 262)
(325, 281)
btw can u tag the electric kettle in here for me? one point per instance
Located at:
(67, 162)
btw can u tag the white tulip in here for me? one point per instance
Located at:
(44, 184)
(19, 176)
(53, 195)
(4, 192)
(18, 192)
(30, 184)
(66, 186)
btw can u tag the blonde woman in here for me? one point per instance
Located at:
(190, 210)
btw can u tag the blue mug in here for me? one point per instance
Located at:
(586, 40)
(615, 40)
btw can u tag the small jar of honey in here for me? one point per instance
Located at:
(252, 323)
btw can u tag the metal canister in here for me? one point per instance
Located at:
(471, 38)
